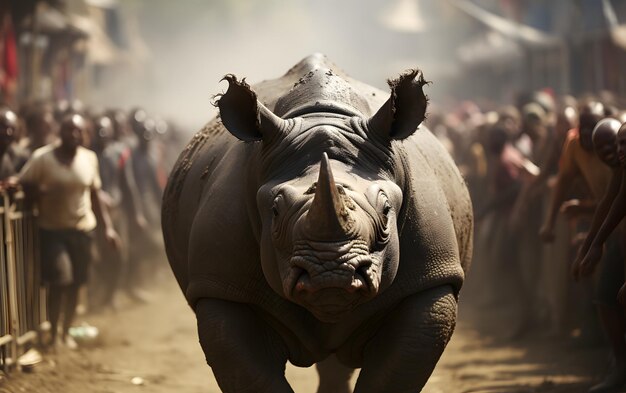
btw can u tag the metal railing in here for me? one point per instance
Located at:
(22, 298)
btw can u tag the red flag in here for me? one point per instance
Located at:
(8, 57)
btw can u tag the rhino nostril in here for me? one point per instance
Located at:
(303, 282)
(362, 272)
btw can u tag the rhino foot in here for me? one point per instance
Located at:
(246, 355)
(404, 351)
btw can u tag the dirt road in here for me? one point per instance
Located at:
(153, 348)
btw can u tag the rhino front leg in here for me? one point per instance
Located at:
(334, 376)
(404, 352)
(246, 355)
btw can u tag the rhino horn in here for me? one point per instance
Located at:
(244, 116)
(328, 218)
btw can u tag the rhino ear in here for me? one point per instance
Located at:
(244, 116)
(405, 109)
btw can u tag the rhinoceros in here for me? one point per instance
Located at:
(316, 221)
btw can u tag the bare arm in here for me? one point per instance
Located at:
(31, 190)
(131, 193)
(603, 208)
(551, 159)
(612, 219)
(103, 217)
(576, 207)
(614, 216)
(568, 170)
(563, 184)
(600, 214)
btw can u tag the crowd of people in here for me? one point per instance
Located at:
(546, 179)
(95, 179)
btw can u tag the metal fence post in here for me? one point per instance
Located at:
(6, 337)
(22, 299)
(14, 326)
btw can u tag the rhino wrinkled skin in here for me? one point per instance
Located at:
(316, 221)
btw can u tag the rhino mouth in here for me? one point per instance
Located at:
(352, 277)
(332, 276)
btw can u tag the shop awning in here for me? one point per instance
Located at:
(102, 3)
(50, 20)
(517, 32)
(490, 47)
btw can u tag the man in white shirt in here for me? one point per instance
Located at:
(65, 182)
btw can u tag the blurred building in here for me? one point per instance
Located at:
(60, 49)
(496, 49)
(573, 47)
(486, 50)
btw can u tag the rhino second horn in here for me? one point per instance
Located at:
(328, 218)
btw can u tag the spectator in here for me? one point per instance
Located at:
(510, 169)
(11, 158)
(612, 275)
(578, 160)
(65, 181)
(40, 128)
(121, 196)
(147, 245)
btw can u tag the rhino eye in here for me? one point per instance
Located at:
(386, 208)
(276, 205)
(384, 205)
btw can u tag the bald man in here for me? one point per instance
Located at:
(612, 274)
(614, 215)
(605, 143)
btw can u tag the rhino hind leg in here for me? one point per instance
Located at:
(403, 353)
(334, 376)
(245, 354)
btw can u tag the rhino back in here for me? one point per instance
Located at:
(316, 79)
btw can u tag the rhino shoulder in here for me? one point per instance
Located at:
(428, 163)
(185, 183)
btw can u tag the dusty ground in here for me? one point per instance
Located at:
(157, 343)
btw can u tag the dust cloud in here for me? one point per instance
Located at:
(191, 44)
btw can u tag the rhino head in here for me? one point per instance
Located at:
(329, 190)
